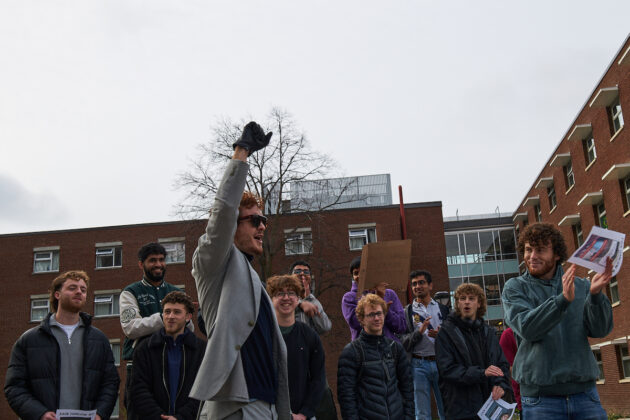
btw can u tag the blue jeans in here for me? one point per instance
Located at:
(582, 406)
(425, 377)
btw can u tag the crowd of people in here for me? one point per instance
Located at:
(264, 359)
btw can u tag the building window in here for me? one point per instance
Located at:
(600, 364)
(578, 235)
(616, 116)
(551, 193)
(106, 304)
(39, 309)
(115, 412)
(360, 237)
(589, 149)
(625, 192)
(568, 175)
(109, 257)
(613, 290)
(115, 345)
(600, 211)
(45, 261)
(297, 243)
(175, 252)
(538, 213)
(623, 359)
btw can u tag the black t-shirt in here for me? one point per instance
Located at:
(257, 356)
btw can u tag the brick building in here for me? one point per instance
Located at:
(328, 240)
(586, 183)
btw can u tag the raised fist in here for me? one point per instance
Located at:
(253, 138)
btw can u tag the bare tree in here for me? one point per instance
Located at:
(287, 161)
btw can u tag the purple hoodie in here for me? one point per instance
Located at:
(394, 321)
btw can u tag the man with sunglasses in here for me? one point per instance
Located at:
(243, 374)
(309, 310)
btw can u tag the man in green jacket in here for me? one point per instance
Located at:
(552, 314)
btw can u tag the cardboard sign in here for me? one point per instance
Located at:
(388, 262)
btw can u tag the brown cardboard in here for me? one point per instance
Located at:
(389, 262)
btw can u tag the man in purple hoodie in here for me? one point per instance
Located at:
(394, 321)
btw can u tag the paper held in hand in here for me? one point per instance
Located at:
(75, 414)
(496, 410)
(601, 243)
(388, 262)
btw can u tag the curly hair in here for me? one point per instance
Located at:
(179, 297)
(285, 281)
(370, 299)
(250, 200)
(540, 234)
(471, 289)
(58, 282)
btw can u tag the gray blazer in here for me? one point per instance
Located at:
(229, 292)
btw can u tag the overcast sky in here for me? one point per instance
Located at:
(102, 103)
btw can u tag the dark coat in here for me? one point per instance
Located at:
(32, 380)
(149, 393)
(374, 380)
(463, 383)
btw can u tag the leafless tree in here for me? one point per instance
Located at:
(287, 161)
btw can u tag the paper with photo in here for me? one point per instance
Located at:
(75, 414)
(496, 410)
(600, 244)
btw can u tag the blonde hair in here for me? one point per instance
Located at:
(370, 299)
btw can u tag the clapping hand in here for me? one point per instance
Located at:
(600, 280)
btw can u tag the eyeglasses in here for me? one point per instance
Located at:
(283, 294)
(255, 219)
(300, 271)
(373, 315)
(418, 283)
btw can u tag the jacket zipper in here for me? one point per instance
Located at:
(164, 367)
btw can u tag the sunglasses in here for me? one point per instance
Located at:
(300, 271)
(255, 220)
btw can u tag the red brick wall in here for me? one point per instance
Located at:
(614, 395)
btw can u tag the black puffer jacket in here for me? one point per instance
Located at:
(149, 394)
(374, 380)
(32, 381)
(464, 350)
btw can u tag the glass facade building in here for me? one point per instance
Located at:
(482, 250)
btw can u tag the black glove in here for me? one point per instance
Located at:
(253, 138)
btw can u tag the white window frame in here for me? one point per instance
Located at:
(355, 232)
(624, 374)
(578, 233)
(303, 238)
(115, 343)
(569, 175)
(106, 251)
(589, 148)
(551, 194)
(538, 213)
(626, 192)
(46, 254)
(600, 364)
(175, 249)
(613, 288)
(616, 116)
(37, 303)
(110, 297)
